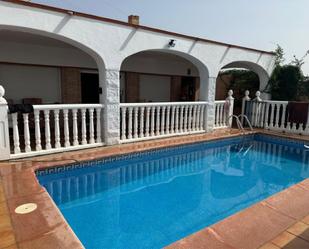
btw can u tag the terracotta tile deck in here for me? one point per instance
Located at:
(46, 227)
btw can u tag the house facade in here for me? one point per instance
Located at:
(56, 56)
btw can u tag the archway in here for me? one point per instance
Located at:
(162, 76)
(41, 67)
(241, 76)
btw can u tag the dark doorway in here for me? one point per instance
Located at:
(90, 88)
(189, 88)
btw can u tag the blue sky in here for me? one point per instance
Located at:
(260, 24)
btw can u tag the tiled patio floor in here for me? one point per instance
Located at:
(46, 228)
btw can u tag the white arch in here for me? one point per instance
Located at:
(98, 59)
(256, 68)
(201, 67)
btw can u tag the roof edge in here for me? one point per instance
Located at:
(115, 21)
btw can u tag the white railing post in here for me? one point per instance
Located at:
(243, 105)
(230, 104)
(256, 112)
(4, 127)
(37, 127)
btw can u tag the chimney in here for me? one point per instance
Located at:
(134, 20)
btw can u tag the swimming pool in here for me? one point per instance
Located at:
(151, 199)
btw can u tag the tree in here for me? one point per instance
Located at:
(287, 81)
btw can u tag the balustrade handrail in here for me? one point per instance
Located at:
(66, 106)
(163, 104)
(270, 101)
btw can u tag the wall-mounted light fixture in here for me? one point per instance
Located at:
(172, 43)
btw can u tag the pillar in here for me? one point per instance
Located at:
(207, 93)
(264, 79)
(4, 128)
(110, 83)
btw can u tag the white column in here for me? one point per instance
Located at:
(230, 100)
(243, 105)
(209, 117)
(111, 100)
(4, 128)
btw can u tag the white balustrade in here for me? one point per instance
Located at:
(57, 121)
(153, 120)
(220, 112)
(272, 115)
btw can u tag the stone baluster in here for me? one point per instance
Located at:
(198, 116)
(152, 124)
(135, 127)
(168, 118)
(47, 130)
(15, 133)
(141, 123)
(123, 123)
(147, 121)
(173, 119)
(130, 121)
(177, 120)
(277, 116)
(181, 121)
(158, 113)
(202, 113)
(38, 145)
(57, 129)
(185, 126)
(243, 106)
(84, 131)
(163, 120)
(266, 125)
(190, 118)
(271, 122)
(75, 128)
(194, 118)
(66, 128)
(230, 101)
(98, 125)
(26, 132)
(282, 125)
(91, 126)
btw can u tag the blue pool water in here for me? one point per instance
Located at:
(152, 199)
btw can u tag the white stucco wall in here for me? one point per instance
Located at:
(110, 43)
(31, 82)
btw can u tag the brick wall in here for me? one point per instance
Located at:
(70, 86)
